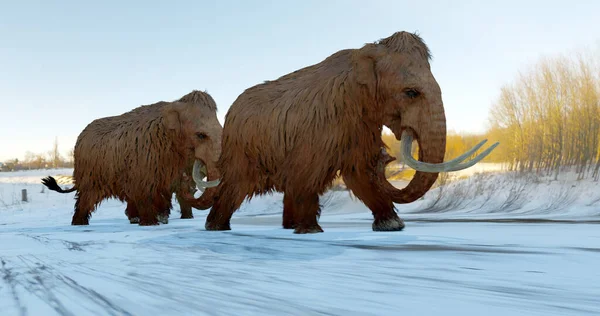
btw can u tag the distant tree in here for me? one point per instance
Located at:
(71, 156)
(29, 158)
(55, 154)
(39, 161)
(11, 164)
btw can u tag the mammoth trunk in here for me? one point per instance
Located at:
(432, 148)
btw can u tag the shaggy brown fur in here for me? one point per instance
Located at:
(182, 188)
(295, 133)
(131, 210)
(139, 157)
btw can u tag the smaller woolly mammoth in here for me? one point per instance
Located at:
(141, 157)
(178, 187)
(295, 134)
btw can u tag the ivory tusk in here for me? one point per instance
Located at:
(452, 165)
(198, 173)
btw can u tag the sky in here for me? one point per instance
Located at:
(66, 63)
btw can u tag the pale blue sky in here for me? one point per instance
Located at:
(66, 63)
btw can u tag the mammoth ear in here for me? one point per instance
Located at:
(172, 117)
(364, 65)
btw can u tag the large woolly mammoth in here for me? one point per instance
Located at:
(140, 157)
(295, 133)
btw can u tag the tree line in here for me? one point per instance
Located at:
(49, 159)
(549, 119)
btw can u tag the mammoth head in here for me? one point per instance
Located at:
(407, 99)
(193, 121)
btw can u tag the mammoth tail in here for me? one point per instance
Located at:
(51, 183)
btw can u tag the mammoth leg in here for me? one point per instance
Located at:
(186, 208)
(148, 211)
(236, 184)
(84, 206)
(305, 211)
(381, 205)
(230, 199)
(184, 186)
(288, 212)
(181, 190)
(163, 206)
(132, 213)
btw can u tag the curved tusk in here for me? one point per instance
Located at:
(211, 184)
(452, 165)
(475, 160)
(198, 173)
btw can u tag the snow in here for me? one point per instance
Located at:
(512, 196)
(455, 258)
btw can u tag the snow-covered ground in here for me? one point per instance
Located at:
(491, 251)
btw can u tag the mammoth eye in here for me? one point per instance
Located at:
(412, 93)
(201, 135)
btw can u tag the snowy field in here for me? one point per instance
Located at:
(492, 244)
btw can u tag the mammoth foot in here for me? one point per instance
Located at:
(388, 224)
(186, 210)
(288, 225)
(134, 220)
(163, 219)
(80, 221)
(148, 220)
(308, 230)
(217, 226)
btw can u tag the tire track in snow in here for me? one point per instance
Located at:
(43, 272)
(9, 279)
(35, 284)
(47, 284)
(144, 285)
(70, 245)
(94, 296)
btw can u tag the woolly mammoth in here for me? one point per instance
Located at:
(295, 133)
(131, 211)
(140, 157)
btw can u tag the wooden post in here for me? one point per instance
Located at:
(24, 195)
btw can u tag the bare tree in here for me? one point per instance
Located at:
(71, 157)
(55, 155)
(29, 159)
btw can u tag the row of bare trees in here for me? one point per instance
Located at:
(49, 159)
(548, 120)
